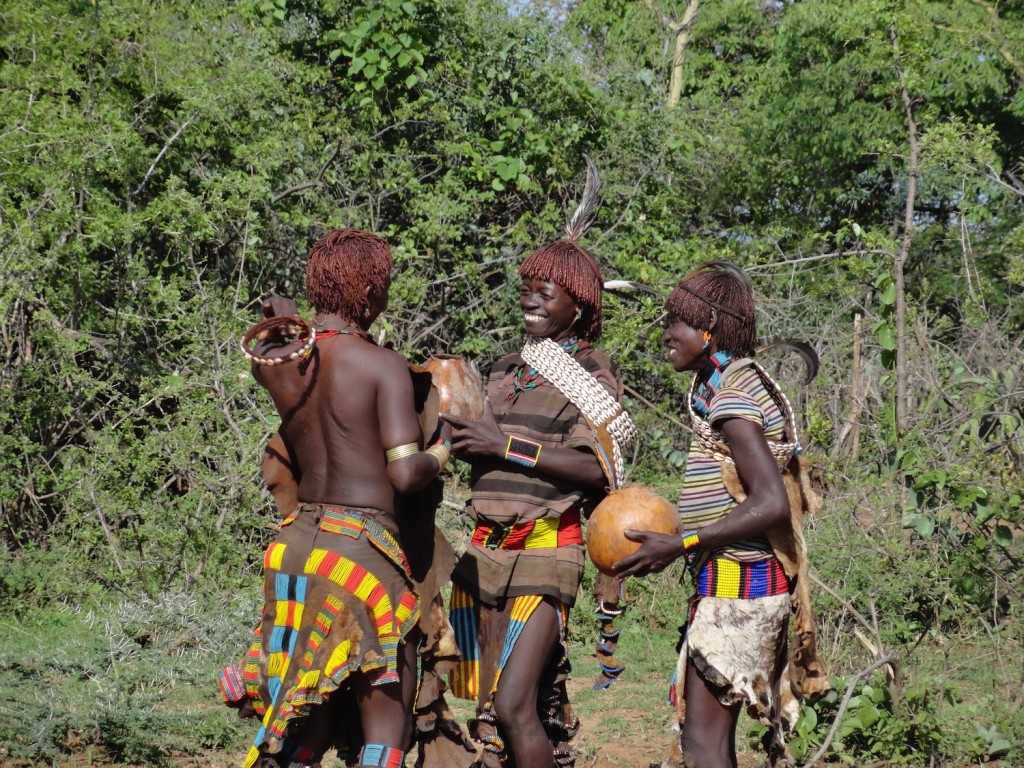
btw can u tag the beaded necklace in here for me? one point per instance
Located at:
(327, 333)
(612, 425)
(710, 378)
(523, 381)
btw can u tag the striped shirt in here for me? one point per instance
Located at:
(704, 498)
(509, 493)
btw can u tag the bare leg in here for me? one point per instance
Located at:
(317, 732)
(386, 710)
(515, 701)
(708, 738)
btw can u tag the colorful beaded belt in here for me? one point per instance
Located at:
(534, 534)
(720, 577)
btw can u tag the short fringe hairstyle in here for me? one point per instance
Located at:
(721, 286)
(340, 267)
(577, 272)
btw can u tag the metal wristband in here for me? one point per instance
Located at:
(440, 452)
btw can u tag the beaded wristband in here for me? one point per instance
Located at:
(401, 451)
(690, 540)
(522, 451)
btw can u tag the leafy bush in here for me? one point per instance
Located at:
(135, 680)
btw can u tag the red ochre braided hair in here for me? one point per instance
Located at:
(341, 266)
(567, 265)
(721, 286)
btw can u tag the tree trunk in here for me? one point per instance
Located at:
(681, 34)
(913, 170)
(851, 429)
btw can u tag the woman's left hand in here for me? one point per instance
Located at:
(477, 438)
(657, 551)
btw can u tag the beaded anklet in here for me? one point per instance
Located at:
(380, 756)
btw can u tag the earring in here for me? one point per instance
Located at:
(366, 311)
(707, 340)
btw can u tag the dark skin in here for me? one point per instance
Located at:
(354, 401)
(548, 312)
(709, 730)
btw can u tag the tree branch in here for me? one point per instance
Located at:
(913, 171)
(681, 33)
(656, 408)
(1010, 59)
(1016, 187)
(161, 153)
(817, 257)
(879, 662)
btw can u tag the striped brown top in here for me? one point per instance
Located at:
(510, 493)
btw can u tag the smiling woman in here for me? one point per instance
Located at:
(548, 310)
(549, 444)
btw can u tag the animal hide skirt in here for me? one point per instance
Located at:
(738, 646)
(338, 599)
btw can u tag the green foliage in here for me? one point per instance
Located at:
(133, 680)
(920, 730)
(165, 165)
(384, 47)
(871, 729)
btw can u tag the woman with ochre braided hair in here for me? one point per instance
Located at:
(334, 661)
(734, 498)
(549, 444)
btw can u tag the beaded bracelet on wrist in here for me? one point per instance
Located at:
(519, 450)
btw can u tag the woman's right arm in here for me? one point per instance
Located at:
(399, 427)
(766, 505)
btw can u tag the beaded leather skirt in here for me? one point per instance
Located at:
(338, 600)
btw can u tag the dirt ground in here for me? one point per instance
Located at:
(593, 745)
(632, 748)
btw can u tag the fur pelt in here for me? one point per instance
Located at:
(807, 672)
